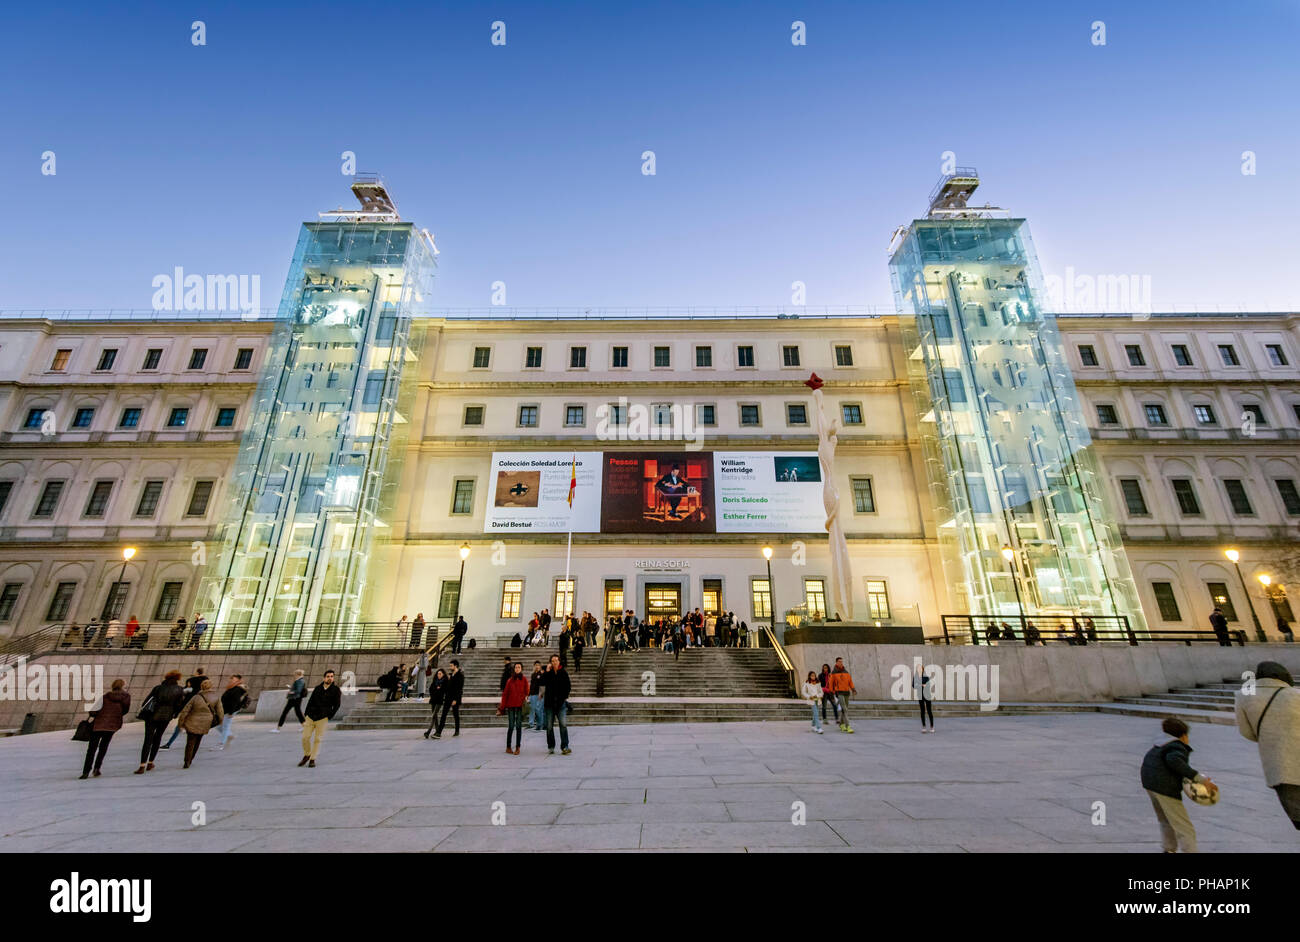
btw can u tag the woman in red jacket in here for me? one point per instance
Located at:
(513, 699)
(107, 721)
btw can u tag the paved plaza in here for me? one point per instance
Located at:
(1014, 783)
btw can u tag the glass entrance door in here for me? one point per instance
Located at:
(662, 600)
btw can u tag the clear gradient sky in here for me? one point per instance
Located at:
(775, 163)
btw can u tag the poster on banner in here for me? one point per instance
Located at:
(528, 491)
(768, 492)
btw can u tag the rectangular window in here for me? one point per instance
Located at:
(711, 596)
(1219, 597)
(563, 598)
(843, 355)
(533, 358)
(115, 601)
(82, 418)
(1106, 415)
(178, 417)
(575, 416)
(1255, 412)
(106, 359)
(449, 599)
(528, 416)
(618, 357)
(98, 501)
(34, 418)
(169, 600)
(663, 414)
(1286, 489)
(745, 356)
(663, 357)
(1204, 415)
(49, 499)
(790, 355)
(1087, 355)
(578, 358)
(864, 499)
(130, 418)
(473, 415)
(61, 601)
(225, 417)
(1228, 354)
(243, 358)
(60, 361)
(1237, 497)
(706, 414)
(482, 357)
(1155, 414)
(1135, 357)
(1133, 499)
(749, 414)
(617, 414)
(1185, 494)
(512, 593)
(814, 598)
(152, 357)
(9, 598)
(704, 357)
(197, 358)
(149, 496)
(6, 488)
(760, 598)
(852, 413)
(1165, 601)
(199, 499)
(1181, 354)
(462, 501)
(614, 597)
(877, 599)
(796, 414)
(1275, 355)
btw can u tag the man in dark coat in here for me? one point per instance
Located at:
(556, 700)
(1220, 626)
(458, 631)
(323, 703)
(454, 692)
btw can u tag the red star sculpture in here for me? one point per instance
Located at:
(814, 382)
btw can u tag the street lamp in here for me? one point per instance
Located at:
(460, 581)
(128, 553)
(1233, 556)
(771, 589)
(1267, 582)
(1010, 556)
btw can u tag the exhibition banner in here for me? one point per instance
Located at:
(768, 492)
(529, 492)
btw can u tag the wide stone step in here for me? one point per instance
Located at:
(1166, 703)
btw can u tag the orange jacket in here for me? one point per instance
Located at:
(841, 681)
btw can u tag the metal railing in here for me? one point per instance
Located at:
(791, 676)
(1065, 629)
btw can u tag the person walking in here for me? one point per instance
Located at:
(924, 687)
(323, 703)
(196, 633)
(578, 645)
(842, 685)
(234, 699)
(132, 626)
(1220, 626)
(293, 701)
(192, 687)
(557, 705)
(828, 693)
(1284, 629)
(535, 696)
(88, 638)
(513, 698)
(453, 693)
(1164, 768)
(458, 632)
(199, 714)
(164, 702)
(1271, 717)
(812, 692)
(107, 720)
(742, 636)
(437, 693)
(176, 637)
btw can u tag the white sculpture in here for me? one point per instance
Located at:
(827, 438)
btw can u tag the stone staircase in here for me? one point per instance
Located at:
(1207, 703)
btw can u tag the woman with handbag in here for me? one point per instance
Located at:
(106, 721)
(202, 712)
(513, 698)
(163, 702)
(437, 690)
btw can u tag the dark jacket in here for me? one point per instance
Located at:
(1165, 766)
(167, 702)
(505, 675)
(534, 683)
(557, 689)
(437, 691)
(460, 627)
(108, 718)
(455, 687)
(1219, 623)
(194, 683)
(232, 700)
(324, 703)
(298, 689)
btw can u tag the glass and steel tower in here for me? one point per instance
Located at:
(1006, 448)
(318, 465)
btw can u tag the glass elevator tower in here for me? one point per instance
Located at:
(318, 465)
(1006, 448)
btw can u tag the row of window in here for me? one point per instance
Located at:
(100, 491)
(152, 359)
(1183, 355)
(114, 602)
(662, 413)
(661, 357)
(1203, 412)
(1167, 603)
(1189, 504)
(178, 417)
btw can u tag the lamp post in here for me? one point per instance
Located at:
(1233, 556)
(1010, 556)
(128, 553)
(460, 580)
(1267, 582)
(771, 588)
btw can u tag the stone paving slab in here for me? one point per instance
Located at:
(1017, 783)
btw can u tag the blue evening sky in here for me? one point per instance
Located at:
(775, 163)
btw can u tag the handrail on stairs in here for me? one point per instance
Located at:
(791, 677)
(600, 668)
